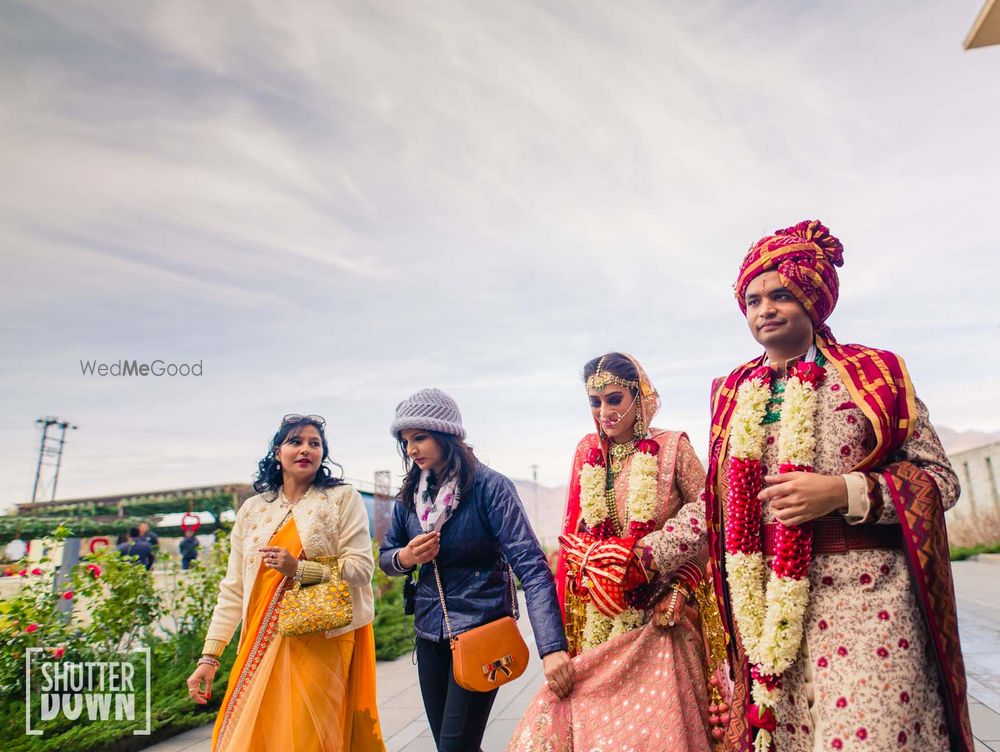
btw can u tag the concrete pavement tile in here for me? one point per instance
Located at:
(985, 723)
(395, 719)
(515, 708)
(498, 734)
(420, 744)
(401, 740)
(987, 693)
(172, 745)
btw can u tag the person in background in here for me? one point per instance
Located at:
(189, 549)
(137, 547)
(149, 537)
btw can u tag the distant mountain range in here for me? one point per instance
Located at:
(546, 514)
(959, 441)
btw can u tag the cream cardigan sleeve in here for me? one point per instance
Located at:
(357, 565)
(229, 607)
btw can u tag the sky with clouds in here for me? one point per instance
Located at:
(332, 205)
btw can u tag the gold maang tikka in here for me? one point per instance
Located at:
(600, 379)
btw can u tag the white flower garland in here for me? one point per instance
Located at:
(641, 502)
(771, 621)
(745, 572)
(593, 480)
(746, 433)
(597, 628)
(642, 479)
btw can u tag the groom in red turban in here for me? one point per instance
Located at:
(869, 507)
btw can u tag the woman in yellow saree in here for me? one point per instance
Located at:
(308, 693)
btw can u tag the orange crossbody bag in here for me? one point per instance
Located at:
(489, 655)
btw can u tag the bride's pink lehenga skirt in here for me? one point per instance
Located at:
(642, 691)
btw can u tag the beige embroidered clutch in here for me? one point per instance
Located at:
(316, 608)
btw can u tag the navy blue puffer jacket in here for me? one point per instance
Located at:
(490, 525)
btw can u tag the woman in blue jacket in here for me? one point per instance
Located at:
(486, 528)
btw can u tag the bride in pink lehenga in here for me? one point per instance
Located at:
(640, 614)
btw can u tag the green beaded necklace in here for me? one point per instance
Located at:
(773, 414)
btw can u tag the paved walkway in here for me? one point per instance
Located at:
(405, 727)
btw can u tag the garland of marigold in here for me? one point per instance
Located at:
(641, 508)
(770, 620)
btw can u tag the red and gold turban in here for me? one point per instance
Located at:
(805, 257)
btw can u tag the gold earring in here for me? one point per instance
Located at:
(639, 427)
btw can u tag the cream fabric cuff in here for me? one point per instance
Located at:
(214, 647)
(314, 573)
(857, 497)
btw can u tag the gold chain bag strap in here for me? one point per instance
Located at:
(489, 655)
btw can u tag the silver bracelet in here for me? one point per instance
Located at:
(299, 571)
(399, 567)
(207, 660)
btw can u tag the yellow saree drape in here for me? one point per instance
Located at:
(307, 693)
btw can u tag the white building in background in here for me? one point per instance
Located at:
(979, 473)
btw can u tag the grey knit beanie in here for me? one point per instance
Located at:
(431, 410)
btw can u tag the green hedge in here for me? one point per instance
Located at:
(28, 528)
(960, 553)
(144, 507)
(393, 630)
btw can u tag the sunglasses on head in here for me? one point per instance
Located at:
(296, 418)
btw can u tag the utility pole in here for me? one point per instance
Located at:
(50, 452)
(534, 479)
(383, 503)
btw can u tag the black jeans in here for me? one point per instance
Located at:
(457, 716)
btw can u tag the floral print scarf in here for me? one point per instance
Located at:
(433, 510)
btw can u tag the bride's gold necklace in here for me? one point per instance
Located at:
(619, 453)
